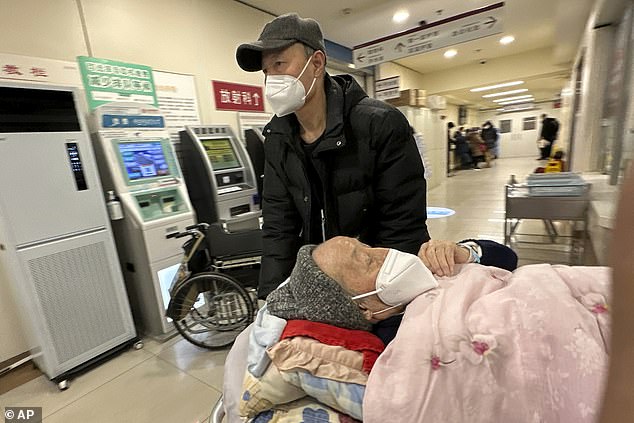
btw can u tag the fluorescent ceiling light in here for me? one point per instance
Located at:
(517, 97)
(517, 109)
(507, 39)
(492, 87)
(450, 53)
(400, 16)
(524, 100)
(521, 90)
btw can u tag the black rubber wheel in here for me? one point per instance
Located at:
(211, 309)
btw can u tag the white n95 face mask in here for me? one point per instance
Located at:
(402, 278)
(285, 93)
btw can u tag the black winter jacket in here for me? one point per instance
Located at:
(550, 127)
(372, 177)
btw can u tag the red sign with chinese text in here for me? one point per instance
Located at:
(238, 97)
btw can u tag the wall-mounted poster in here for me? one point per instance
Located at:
(177, 99)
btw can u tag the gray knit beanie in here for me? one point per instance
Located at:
(312, 295)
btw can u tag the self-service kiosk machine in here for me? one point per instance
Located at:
(137, 162)
(220, 177)
(56, 243)
(222, 188)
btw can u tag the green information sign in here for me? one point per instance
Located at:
(108, 80)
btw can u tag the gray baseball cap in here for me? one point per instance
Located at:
(281, 32)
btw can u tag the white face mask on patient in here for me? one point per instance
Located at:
(285, 93)
(402, 278)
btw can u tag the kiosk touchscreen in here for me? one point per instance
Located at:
(219, 175)
(137, 162)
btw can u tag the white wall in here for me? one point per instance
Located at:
(409, 78)
(428, 123)
(451, 113)
(192, 37)
(588, 144)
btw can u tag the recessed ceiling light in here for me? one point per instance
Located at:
(501, 100)
(521, 90)
(450, 53)
(508, 39)
(492, 87)
(400, 16)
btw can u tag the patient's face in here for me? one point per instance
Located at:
(354, 266)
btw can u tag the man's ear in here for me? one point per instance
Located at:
(319, 61)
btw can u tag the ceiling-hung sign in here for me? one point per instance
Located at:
(457, 29)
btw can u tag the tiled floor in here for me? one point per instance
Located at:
(177, 382)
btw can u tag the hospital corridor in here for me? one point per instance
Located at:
(244, 211)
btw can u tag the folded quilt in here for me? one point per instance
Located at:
(356, 340)
(330, 365)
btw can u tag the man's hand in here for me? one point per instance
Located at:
(440, 256)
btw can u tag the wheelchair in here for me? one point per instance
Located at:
(213, 292)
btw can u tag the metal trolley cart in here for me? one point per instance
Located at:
(549, 197)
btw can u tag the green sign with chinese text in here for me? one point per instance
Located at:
(108, 80)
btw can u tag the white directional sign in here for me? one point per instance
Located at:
(385, 89)
(447, 32)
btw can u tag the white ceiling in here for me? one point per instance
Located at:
(535, 24)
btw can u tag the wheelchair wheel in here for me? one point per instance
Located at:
(212, 309)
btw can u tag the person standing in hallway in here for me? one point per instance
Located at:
(463, 151)
(490, 136)
(451, 149)
(478, 148)
(336, 161)
(547, 136)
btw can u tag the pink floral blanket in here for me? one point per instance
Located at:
(493, 346)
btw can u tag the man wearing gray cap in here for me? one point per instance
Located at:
(337, 161)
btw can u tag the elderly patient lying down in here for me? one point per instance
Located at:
(483, 345)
